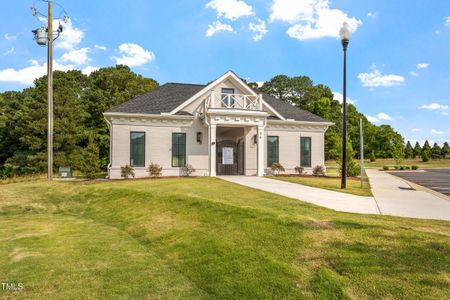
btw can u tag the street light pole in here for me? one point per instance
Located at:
(344, 33)
(50, 92)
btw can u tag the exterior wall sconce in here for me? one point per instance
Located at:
(199, 137)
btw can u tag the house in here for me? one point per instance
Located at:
(222, 128)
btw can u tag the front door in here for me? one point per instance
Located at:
(229, 159)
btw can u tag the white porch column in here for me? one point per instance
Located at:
(260, 150)
(212, 149)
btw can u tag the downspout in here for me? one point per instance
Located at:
(110, 146)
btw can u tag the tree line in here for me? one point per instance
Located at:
(81, 136)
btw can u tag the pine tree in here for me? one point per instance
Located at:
(426, 147)
(409, 151)
(436, 151)
(445, 151)
(417, 150)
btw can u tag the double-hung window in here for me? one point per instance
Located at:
(227, 97)
(272, 150)
(178, 149)
(305, 152)
(137, 149)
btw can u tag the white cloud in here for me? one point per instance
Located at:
(447, 21)
(10, 51)
(375, 79)
(311, 19)
(79, 57)
(438, 132)
(231, 9)
(384, 116)
(100, 47)
(217, 27)
(28, 74)
(133, 55)
(416, 129)
(422, 66)
(372, 15)
(70, 37)
(259, 30)
(372, 119)
(10, 37)
(89, 69)
(434, 106)
(413, 74)
(339, 97)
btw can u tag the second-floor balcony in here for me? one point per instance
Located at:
(234, 101)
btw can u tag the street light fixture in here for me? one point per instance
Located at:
(344, 34)
(45, 36)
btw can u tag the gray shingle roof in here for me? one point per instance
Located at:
(170, 95)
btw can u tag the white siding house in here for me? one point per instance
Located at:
(223, 128)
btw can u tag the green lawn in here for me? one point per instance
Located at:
(330, 183)
(196, 238)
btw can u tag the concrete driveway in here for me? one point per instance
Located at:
(392, 196)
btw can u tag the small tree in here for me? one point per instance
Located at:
(409, 151)
(425, 156)
(155, 170)
(277, 168)
(372, 156)
(445, 151)
(90, 162)
(417, 151)
(126, 171)
(436, 151)
(426, 147)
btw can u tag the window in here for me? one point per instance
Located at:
(178, 149)
(305, 152)
(272, 150)
(227, 97)
(137, 149)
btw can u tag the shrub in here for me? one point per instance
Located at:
(89, 163)
(187, 170)
(318, 170)
(401, 168)
(372, 157)
(299, 170)
(414, 167)
(385, 168)
(277, 168)
(396, 167)
(127, 171)
(407, 168)
(155, 170)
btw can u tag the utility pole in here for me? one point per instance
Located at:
(361, 151)
(50, 92)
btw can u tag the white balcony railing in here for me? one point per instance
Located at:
(234, 101)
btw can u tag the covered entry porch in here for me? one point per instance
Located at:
(236, 145)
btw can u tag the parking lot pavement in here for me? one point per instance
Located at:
(434, 179)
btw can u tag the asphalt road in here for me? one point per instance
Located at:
(435, 179)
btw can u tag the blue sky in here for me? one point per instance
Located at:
(398, 57)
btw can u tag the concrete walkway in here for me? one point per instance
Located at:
(396, 198)
(392, 196)
(330, 199)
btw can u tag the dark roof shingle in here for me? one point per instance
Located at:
(170, 95)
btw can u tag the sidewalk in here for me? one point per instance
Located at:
(330, 199)
(396, 198)
(392, 196)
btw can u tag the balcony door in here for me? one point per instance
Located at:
(227, 97)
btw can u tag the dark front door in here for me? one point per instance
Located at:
(229, 160)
